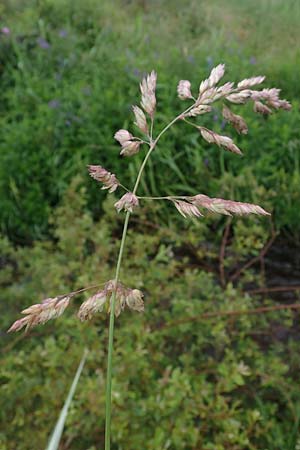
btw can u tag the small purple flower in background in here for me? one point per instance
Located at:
(5, 30)
(42, 43)
(62, 33)
(68, 123)
(137, 73)
(210, 61)
(252, 60)
(223, 124)
(190, 59)
(206, 162)
(54, 104)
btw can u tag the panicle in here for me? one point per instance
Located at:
(130, 145)
(140, 120)
(184, 89)
(128, 202)
(249, 82)
(186, 209)
(41, 313)
(108, 179)
(226, 207)
(221, 141)
(237, 121)
(148, 87)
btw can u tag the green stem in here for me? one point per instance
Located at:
(113, 298)
(111, 339)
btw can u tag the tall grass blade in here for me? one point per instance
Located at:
(54, 440)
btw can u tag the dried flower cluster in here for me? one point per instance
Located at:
(108, 179)
(189, 206)
(128, 202)
(40, 313)
(133, 298)
(130, 145)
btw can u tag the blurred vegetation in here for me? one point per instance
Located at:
(69, 73)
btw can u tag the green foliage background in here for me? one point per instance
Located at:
(69, 74)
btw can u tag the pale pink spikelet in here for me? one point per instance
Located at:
(18, 324)
(224, 90)
(108, 179)
(186, 209)
(198, 110)
(249, 82)
(92, 305)
(148, 87)
(208, 96)
(239, 97)
(123, 136)
(236, 121)
(130, 145)
(213, 79)
(130, 148)
(226, 207)
(41, 313)
(221, 141)
(128, 202)
(184, 89)
(140, 120)
(261, 108)
(134, 300)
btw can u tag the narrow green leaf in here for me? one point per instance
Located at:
(54, 440)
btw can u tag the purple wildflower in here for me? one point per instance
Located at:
(54, 104)
(42, 43)
(62, 33)
(5, 30)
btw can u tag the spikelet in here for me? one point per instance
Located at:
(108, 179)
(41, 313)
(148, 87)
(130, 145)
(184, 89)
(239, 97)
(236, 121)
(249, 82)
(140, 120)
(198, 110)
(128, 202)
(227, 207)
(261, 108)
(215, 75)
(187, 209)
(221, 141)
(92, 305)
